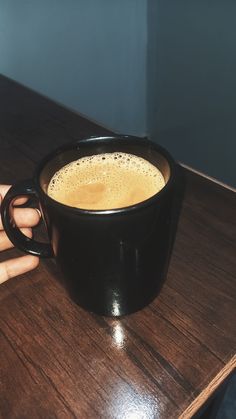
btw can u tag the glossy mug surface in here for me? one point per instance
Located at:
(115, 260)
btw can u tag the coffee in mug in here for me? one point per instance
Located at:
(106, 181)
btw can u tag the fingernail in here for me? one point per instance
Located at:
(39, 213)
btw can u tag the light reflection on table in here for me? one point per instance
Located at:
(134, 405)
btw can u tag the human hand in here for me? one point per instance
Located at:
(25, 218)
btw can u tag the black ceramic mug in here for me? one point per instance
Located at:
(114, 261)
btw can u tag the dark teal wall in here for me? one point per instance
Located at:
(192, 82)
(87, 54)
(166, 68)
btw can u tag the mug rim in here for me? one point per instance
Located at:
(123, 210)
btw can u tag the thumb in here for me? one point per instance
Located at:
(0, 208)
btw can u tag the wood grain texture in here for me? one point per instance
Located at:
(58, 361)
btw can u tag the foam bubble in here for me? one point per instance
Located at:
(106, 181)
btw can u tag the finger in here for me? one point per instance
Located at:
(5, 243)
(4, 189)
(19, 201)
(25, 217)
(17, 266)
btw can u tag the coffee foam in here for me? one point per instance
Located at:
(106, 181)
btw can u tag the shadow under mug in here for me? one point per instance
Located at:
(114, 261)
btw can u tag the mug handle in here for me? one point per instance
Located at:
(22, 242)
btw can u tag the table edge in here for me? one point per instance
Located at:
(204, 175)
(59, 104)
(106, 128)
(209, 389)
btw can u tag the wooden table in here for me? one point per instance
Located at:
(58, 361)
